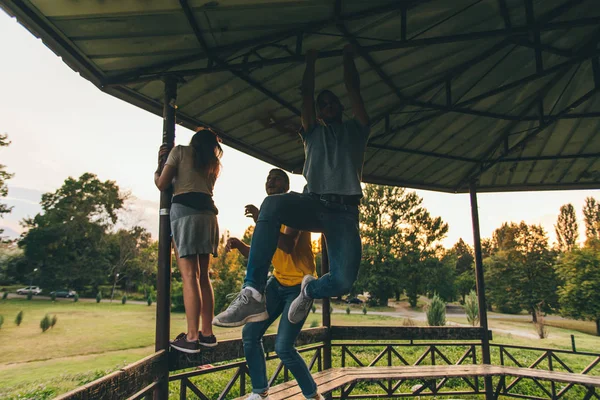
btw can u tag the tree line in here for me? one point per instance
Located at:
(77, 242)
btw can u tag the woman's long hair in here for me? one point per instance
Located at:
(207, 152)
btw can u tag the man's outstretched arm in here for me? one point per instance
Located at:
(352, 82)
(309, 117)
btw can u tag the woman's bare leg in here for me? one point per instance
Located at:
(206, 292)
(188, 266)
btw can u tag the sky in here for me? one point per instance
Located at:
(61, 125)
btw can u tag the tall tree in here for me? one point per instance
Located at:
(4, 176)
(399, 236)
(566, 228)
(67, 242)
(520, 273)
(591, 218)
(579, 295)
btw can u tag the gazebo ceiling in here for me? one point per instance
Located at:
(502, 92)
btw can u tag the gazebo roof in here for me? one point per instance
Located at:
(503, 92)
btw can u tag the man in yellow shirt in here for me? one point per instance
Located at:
(292, 260)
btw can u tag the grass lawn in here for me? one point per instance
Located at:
(90, 340)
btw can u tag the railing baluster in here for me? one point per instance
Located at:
(389, 352)
(552, 384)
(183, 389)
(243, 370)
(343, 356)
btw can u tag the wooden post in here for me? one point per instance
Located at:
(483, 322)
(326, 307)
(163, 278)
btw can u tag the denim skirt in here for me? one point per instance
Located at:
(194, 232)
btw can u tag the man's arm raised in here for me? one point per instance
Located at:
(309, 117)
(352, 82)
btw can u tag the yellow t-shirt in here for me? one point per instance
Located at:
(289, 269)
(188, 179)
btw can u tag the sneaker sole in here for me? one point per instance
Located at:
(250, 318)
(209, 345)
(184, 350)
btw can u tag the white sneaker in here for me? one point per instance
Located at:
(256, 396)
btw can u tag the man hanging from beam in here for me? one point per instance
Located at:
(334, 152)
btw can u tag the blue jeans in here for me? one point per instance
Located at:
(278, 298)
(339, 224)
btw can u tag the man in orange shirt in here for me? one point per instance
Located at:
(292, 260)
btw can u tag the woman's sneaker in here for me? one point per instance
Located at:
(207, 341)
(182, 344)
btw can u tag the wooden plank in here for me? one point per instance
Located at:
(332, 379)
(123, 383)
(231, 350)
(406, 333)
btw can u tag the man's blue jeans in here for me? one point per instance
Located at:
(279, 298)
(339, 224)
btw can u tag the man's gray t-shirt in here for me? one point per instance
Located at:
(334, 158)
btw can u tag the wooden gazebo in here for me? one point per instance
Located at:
(464, 95)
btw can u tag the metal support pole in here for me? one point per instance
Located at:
(326, 307)
(483, 322)
(163, 277)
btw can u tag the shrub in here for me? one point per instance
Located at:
(364, 310)
(76, 298)
(314, 308)
(19, 318)
(5, 295)
(348, 310)
(149, 300)
(1, 320)
(98, 297)
(53, 296)
(472, 308)
(124, 300)
(53, 321)
(408, 322)
(45, 323)
(314, 323)
(436, 312)
(29, 295)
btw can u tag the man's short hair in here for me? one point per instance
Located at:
(283, 174)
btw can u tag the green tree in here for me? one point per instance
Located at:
(566, 228)
(461, 255)
(520, 274)
(591, 218)
(227, 275)
(4, 176)
(399, 239)
(579, 295)
(67, 241)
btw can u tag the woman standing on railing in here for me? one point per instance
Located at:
(193, 170)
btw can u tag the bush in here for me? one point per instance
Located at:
(124, 300)
(472, 308)
(4, 295)
(348, 310)
(29, 295)
(177, 297)
(98, 297)
(45, 323)
(149, 300)
(19, 318)
(408, 322)
(53, 321)
(314, 323)
(364, 310)
(436, 312)
(76, 298)
(314, 308)
(1, 320)
(53, 296)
